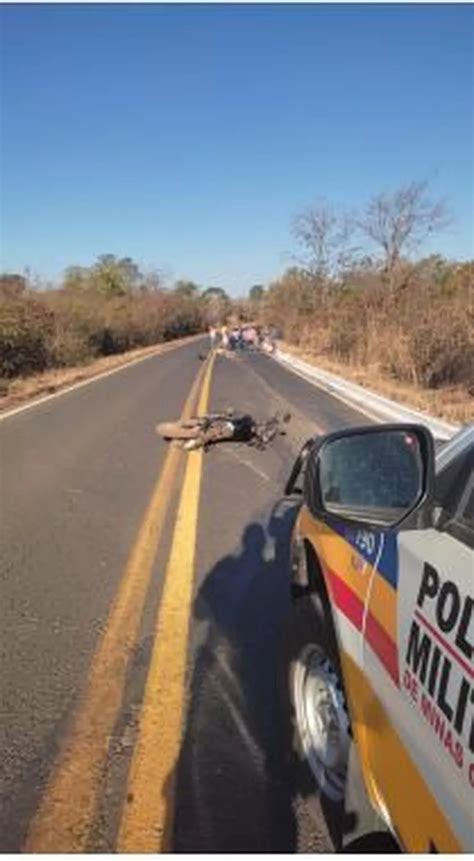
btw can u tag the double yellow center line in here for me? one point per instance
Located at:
(68, 805)
(148, 817)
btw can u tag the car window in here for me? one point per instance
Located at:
(452, 480)
(465, 511)
(454, 494)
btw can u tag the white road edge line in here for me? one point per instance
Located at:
(328, 391)
(42, 400)
(388, 411)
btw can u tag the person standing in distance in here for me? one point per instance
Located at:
(212, 336)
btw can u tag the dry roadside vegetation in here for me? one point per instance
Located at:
(361, 302)
(401, 325)
(416, 345)
(23, 389)
(98, 318)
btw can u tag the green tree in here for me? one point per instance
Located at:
(256, 293)
(186, 288)
(116, 277)
(217, 292)
(109, 276)
(217, 304)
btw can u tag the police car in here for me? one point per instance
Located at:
(380, 646)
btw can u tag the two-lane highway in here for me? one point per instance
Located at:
(143, 592)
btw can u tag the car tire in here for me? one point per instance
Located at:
(310, 666)
(334, 798)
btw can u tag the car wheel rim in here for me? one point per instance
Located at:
(322, 720)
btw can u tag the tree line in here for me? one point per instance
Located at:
(358, 292)
(106, 308)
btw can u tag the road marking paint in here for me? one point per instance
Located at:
(67, 807)
(250, 465)
(162, 349)
(319, 385)
(147, 815)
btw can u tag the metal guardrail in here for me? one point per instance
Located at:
(375, 406)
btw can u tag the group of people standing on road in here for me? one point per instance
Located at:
(248, 337)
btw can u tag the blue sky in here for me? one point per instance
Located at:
(189, 136)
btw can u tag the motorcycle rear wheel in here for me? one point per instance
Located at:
(178, 430)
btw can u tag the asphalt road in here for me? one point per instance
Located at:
(141, 622)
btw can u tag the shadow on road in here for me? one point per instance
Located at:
(233, 787)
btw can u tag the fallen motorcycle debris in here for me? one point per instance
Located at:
(206, 430)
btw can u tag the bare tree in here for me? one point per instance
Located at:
(399, 223)
(325, 236)
(153, 281)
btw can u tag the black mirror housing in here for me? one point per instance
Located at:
(299, 466)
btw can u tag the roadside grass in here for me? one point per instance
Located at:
(450, 403)
(23, 389)
(412, 342)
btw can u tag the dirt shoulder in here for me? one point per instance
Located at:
(451, 403)
(24, 389)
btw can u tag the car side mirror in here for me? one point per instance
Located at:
(377, 475)
(298, 467)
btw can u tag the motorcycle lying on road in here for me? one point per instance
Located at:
(204, 431)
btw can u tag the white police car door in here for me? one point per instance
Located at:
(418, 655)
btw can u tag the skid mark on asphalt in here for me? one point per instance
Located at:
(147, 816)
(68, 805)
